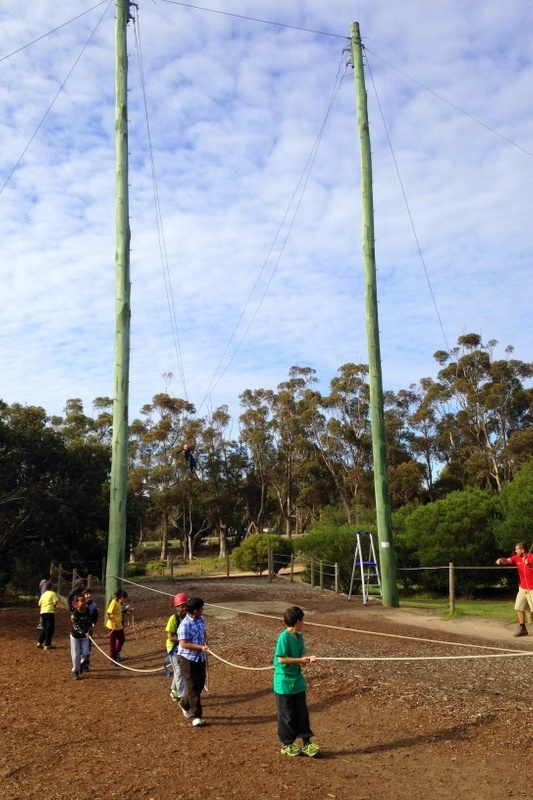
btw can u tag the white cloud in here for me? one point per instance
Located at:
(235, 108)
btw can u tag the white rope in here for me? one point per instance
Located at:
(337, 627)
(425, 658)
(383, 658)
(119, 664)
(238, 666)
(502, 651)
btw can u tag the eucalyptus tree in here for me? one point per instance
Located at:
(293, 410)
(223, 473)
(157, 456)
(342, 437)
(102, 428)
(75, 424)
(257, 437)
(482, 403)
(423, 431)
(406, 473)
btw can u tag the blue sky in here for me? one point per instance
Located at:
(260, 261)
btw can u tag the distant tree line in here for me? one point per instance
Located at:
(301, 460)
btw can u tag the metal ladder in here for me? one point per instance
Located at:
(368, 566)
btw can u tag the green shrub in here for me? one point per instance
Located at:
(458, 529)
(516, 506)
(252, 554)
(333, 544)
(134, 570)
(156, 566)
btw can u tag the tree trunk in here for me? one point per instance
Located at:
(223, 539)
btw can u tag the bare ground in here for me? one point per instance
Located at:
(393, 730)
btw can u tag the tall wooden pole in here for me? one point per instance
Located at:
(379, 446)
(119, 455)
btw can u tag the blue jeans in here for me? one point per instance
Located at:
(79, 652)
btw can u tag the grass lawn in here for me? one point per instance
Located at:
(490, 609)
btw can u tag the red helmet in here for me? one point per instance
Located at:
(180, 599)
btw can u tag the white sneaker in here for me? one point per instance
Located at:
(186, 714)
(197, 722)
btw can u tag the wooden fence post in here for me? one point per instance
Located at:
(451, 582)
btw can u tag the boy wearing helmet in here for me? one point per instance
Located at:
(177, 690)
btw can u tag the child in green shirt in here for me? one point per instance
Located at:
(290, 686)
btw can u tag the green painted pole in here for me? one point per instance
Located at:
(119, 455)
(379, 446)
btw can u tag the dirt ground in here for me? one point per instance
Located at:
(393, 730)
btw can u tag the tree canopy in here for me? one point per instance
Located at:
(454, 442)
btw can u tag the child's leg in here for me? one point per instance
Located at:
(194, 676)
(51, 629)
(178, 682)
(84, 654)
(301, 717)
(198, 677)
(112, 645)
(48, 630)
(287, 730)
(120, 638)
(42, 632)
(75, 654)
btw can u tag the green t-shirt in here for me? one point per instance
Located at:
(288, 678)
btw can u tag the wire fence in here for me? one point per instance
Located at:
(315, 572)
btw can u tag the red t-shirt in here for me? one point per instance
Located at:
(525, 572)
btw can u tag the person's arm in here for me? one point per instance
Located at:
(282, 646)
(114, 613)
(503, 561)
(303, 660)
(172, 635)
(192, 646)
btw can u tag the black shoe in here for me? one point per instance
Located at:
(521, 632)
(76, 676)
